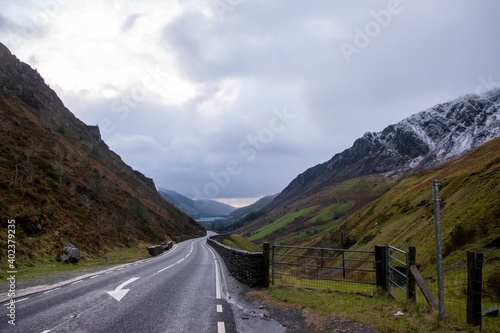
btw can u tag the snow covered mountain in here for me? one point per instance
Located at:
(425, 139)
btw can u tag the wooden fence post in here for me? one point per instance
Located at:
(478, 285)
(272, 267)
(474, 287)
(471, 263)
(381, 267)
(265, 268)
(411, 294)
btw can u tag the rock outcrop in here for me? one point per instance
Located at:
(425, 139)
(69, 254)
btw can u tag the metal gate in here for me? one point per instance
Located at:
(321, 268)
(397, 272)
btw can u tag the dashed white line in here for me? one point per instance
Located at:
(179, 261)
(51, 290)
(46, 331)
(221, 328)
(22, 299)
(93, 277)
(217, 281)
(77, 281)
(219, 308)
(217, 275)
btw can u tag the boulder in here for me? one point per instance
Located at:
(155, 250)
(69, 254)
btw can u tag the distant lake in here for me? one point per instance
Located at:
(210, 218)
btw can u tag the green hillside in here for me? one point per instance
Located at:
(470, 211)
(304, 220)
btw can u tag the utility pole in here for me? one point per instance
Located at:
(439, 252)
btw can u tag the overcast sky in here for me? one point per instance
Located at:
(235, 98)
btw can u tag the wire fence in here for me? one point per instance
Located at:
(471, 293)
(458, 298)
(490, 298)
(324, 268)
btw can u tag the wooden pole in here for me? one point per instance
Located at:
(478, 284)
(265, 268)
(439, 252)
(411, 294)
(423, 287)
(272, 267)
(380, 267)
(471, 265)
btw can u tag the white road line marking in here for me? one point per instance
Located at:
(93, 277)
(119, 293)
(51, 290)
(179, 261)
(221, 328)
(46, 331)
(22, 299)
(219, 308)
(77, 281)
(217, 281)
(217, 275)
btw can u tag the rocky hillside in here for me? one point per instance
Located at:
(428, 138)
(320, 199)
(61, 182)
(403, 216)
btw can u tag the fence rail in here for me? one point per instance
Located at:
(317, 268)
(395, 271)
(397, 276)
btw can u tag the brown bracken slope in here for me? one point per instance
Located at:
(61, 182)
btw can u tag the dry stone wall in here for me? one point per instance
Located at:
(246, 267)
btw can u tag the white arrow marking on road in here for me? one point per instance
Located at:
(119, 293)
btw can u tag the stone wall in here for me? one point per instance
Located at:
(246, 267)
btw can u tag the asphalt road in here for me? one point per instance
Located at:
(178, 291)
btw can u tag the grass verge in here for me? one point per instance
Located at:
(378, 311)
(114, 256)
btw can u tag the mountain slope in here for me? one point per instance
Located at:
(322, 197)
(437, 135)
(256, 206)
(240, 216)
(196, 208)
(61, 182)
(308, 217)
(470, 210)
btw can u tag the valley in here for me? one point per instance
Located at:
(249, 166)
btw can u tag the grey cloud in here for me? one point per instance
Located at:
(130, 22)
(286, 53)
